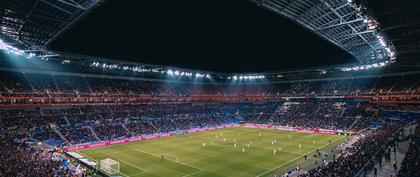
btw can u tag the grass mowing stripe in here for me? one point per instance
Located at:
(298, 158)
(119, 159)
(126, 162)
(97, 161)
(252, 145)
(187, 157)
(168, 159)
(199, 169)
(192, 173)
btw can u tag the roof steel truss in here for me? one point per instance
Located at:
(35, 23)
(338, 21)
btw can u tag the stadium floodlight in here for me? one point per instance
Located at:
(65, 62)
(366, 67)
(382, 42)
(109, 166)
(170, 72)
(248, 77)
(176, 73)
(30, 55)
(10, 49)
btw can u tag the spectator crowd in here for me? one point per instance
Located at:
(118, 109)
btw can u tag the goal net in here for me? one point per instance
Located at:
(109, 166)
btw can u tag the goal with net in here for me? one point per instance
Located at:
(109, 166)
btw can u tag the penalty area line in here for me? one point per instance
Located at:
(135, 166)
(193, 173)
(95, 160)
(168, 159)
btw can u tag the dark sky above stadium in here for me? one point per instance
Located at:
(216, 35)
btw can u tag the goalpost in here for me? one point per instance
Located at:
(109, 166)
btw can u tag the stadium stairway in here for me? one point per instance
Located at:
(125, 128)
(387, 168)
(152, 125)
(88, 85)
(61, 135)
(94, 133)
(354, 123)
(341, 113)
(30, 123)
(67, 120)
(56, 85)
(30, 83)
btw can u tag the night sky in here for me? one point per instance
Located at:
(215, 35)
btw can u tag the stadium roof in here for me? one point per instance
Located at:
(400, 19)
(218, 35)
(348, 24)
(35, 24)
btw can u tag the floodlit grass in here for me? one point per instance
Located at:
(184, 155)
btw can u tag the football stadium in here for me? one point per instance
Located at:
(235, 88)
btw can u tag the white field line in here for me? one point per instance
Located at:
(135, 174)
(296, 158)
(96, 161)
(112, 153)
(87, 156)
(170, 155)
(253, 146)
(193, 173)
(135, 166)
(200, 169)
(168, 159)
(124, 174)
(280, 151)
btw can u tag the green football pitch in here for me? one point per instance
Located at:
(186, 155)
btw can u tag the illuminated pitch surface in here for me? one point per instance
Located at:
(185, 156)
